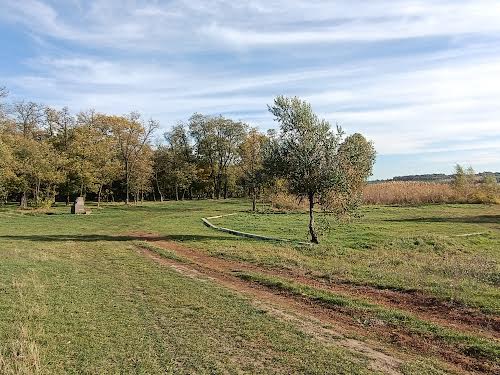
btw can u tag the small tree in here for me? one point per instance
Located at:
(463, 182)
(490, 188)
(307, 154)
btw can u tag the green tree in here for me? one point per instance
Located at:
(217, 141)
(39, 170)
(463, 182)
(140, 179)
(251, 153)
(7, 167)
(306, 153)
(490, 188)
(131, 136)
(354, 163)
(93, 158)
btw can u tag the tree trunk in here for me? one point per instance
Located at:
(158, 187)
(254, 199)
(314, 236)
(176, 192)
(99, 197)
(127, 180)
(24, 200)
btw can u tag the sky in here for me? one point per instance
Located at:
(419, 78)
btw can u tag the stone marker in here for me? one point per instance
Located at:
(78, 206)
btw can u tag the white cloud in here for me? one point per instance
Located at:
(418, 77)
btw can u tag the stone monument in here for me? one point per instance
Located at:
(78, 206)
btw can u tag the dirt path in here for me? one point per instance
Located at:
(222, 271)
(426, 307)
(288, 310)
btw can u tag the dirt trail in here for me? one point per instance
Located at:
(221, 270)
(426, 307)
(288, 310)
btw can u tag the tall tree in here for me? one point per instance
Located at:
(93, 158)
(39, 169)
(182, 170)
(251, 161)
(306, 152)
(28, 117)
(132, 136)
(217, 140)
(7, 166)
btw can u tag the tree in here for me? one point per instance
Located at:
(161, 168)
(3, 94)
(490, 188)
(7, 167)
(132, 136)
(39, 169)
(355, 159)
(306, 153)
(140, 178)
(217, 141)
(463, 181)
(182, 169)
(93, 158)
(28, 117)
(251, 161)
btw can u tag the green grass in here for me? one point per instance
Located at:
(468, 344)
(168, 254)
(76, 297)
(401, 248)
(96, 306)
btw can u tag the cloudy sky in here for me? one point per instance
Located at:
(419, 78)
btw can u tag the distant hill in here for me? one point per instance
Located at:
(435, 177)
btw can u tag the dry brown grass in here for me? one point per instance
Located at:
(408, 192)
(400, 193)
(21, 357)
(413, 192)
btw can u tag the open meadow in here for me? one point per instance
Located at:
(150, 289)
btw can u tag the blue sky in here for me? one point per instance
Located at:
(419, 78)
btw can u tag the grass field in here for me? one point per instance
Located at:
(77, 295)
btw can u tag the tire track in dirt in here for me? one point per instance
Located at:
(221, 271)
(288, 310)
(448, 314)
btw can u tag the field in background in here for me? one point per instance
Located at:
(76, 295)
(408, 192)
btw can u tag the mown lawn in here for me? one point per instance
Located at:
(76, 297)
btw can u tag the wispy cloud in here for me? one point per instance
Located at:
(419, 77)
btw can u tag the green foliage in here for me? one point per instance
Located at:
(315, 161)
(217, 140)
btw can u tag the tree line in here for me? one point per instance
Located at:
(49, 154)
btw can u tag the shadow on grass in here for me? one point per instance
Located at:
(495, 219)
(103, 237)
